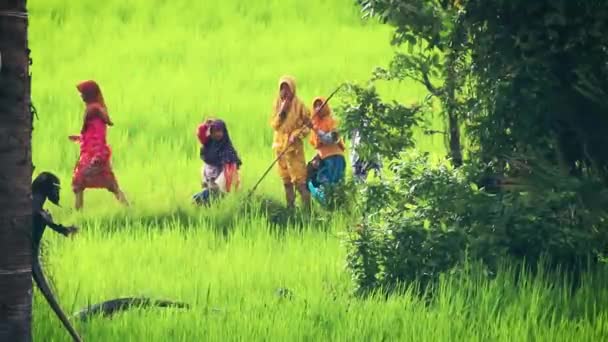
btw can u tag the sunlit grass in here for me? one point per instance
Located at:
(234, 287)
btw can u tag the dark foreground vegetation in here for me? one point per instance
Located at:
(521, 87)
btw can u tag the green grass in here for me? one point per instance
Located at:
(163, 68)
(165, 65)
(233, 287)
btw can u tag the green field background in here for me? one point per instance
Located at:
(163, 67)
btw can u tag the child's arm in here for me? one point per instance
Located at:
(305, 117)
(75, 138)
(59, 228)
(276, 122)
(203, 133)
(279, 114)
(303, 122)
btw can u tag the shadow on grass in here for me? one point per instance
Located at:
(223, 218)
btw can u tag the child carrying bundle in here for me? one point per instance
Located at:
(328, 166)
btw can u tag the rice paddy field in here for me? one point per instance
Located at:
(163, 67)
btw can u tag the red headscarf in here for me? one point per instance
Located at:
(94, 99)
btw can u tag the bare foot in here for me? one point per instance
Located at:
(79, 201)
(120, 196)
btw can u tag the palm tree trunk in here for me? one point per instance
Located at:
(15, 175)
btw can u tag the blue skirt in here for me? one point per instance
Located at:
(331, 172)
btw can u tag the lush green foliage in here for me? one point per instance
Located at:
(430, 30)
(540, 72)
(428, 219)
(386, 128)
(529, 123)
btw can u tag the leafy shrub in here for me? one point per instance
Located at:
(428, 219)
(522, 77)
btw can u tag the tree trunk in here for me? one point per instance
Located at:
(15, 175)
(455, 147)
(452, 83)
(451, 109)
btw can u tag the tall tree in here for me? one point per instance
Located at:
(528, 82)
(434, 32)
(15, 174)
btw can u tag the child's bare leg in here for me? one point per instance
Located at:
(120, 196)
(79, 200)
(305, 195)
(290, 195)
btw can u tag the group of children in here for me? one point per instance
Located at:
(291, 121)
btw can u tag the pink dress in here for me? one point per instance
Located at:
(94, 169)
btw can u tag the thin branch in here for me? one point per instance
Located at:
(431, 132)
(429, 86)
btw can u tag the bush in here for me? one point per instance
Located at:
(429, 219)
(521, 77)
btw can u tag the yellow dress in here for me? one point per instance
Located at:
(292, 166)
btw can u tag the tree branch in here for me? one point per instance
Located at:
(429, 86)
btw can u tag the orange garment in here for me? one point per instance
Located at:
(231, 174)
(325, 122)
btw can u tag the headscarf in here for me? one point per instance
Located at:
(291, 83)
(323, 121)
(293, 122)
(222, 152)
(323, 118)
(95, 104)
(92, 93)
